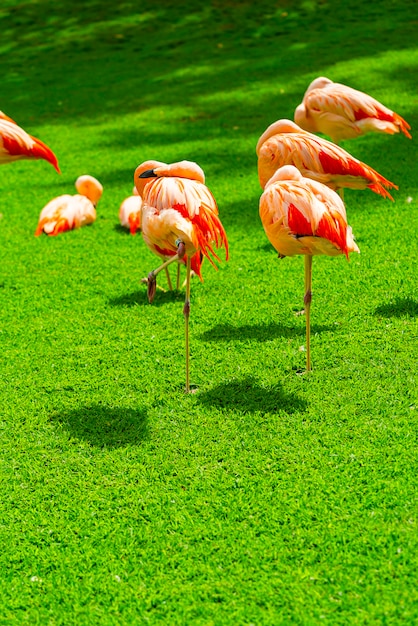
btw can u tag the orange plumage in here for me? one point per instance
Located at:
(15, 144)
(285, 143)
(67, 212)
(342, 112)
(180, 222)
(178, 205)
(303, 216)
(130, 212)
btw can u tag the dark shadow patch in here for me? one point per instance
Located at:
(130, 299)
(122, 230)
(400, 307)
(248, 396)
(259, 332)
(140, 298)
(104, 427)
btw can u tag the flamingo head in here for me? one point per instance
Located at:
(318, 83)
(287, 172)
(90, 187)
(143, 172)
(281, 126)
(181, 169)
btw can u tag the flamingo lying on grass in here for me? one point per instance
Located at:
(285, 143)
(15, 144)
(179, 222)
(67, 212)
(345, 113)
(130, 212)
(303, 216)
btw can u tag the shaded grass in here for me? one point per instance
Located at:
(269, 496)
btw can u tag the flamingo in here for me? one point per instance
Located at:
(179, 221)
(15, 143)
(130, 212)
(303, 216)
(342, 112)
(285, 143)
(67, 212)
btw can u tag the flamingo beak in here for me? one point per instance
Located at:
(148, 174)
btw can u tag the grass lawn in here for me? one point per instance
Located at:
(270, 496)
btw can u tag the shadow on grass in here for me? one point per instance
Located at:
(118, 228)
(140, 298)
(104, 427)
(259, 332)
(247, 396)
(400, 307)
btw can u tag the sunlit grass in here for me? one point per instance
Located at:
(269, 496)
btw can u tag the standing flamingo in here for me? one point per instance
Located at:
(130, 212)
(342, 112)
(303, 216)
(15, 143)
(179, 221)
(285, 143)
(67, 212)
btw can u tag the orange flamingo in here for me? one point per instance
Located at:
(285, 143)
(15, 143)
(342, 112)
(130, 212)
(303, 216)
(67, 212)
(179, 221)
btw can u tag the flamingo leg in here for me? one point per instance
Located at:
(178, 277)
(170, 284)
(152, 276)
(307, 300)
(340, 192)
(186, 312)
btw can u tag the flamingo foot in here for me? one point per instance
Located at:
(152, 286)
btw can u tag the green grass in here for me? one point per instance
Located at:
(269, 496)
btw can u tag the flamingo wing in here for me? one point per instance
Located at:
(179, 208)
(320, 160)
(64, 213)
(342, 112)
(130, 213)
(305, 217)
(15, 143)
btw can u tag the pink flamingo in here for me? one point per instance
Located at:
(15, 144)
(303, 216)
(180, 220)
(130, 212)
(67, 212)
(342, 112)
(285, 143)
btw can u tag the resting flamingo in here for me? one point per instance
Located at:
(342, 112)
(130, 212)
(67, 212)
(179, 221)
(285, 143)
(15, 144)
(303, 216)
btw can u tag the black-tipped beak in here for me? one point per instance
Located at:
(148, 174)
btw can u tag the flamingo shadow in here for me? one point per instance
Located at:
(104, 427)
(400, 307)
(140, 298)
(259, 332)
(121, 229)
(247, 396)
